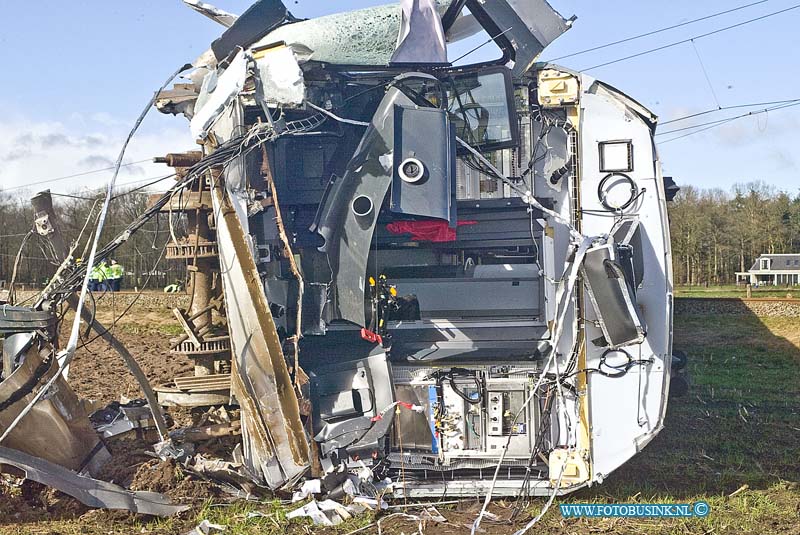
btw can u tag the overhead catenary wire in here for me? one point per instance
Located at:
(705, 73)
(728, 119)
(66, 177)
(660, 30)
(689, 39)
(150, 182)
(723, 108)
(714, 124)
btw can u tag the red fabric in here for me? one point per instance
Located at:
(434, 231)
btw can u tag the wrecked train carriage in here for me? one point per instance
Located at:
(471, 263)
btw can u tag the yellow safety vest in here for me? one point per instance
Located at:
(98, 273)
(116, 271)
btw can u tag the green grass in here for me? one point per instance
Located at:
(740, 425)
(736, 291)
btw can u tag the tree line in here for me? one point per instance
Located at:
(714, 234)
(141, 256)
(717, 233)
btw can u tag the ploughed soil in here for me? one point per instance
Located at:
(732, 442)
(97, 373)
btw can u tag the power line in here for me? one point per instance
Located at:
(793, 103)
(57, 179)
(723, 108)
(150, 181)
(705, 73)
(654, 32)
(715, 124)
(683, 41)
(134, 190)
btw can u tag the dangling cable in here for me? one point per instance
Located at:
(65, 357)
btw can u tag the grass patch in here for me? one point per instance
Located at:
(740, 425)
(732, 290)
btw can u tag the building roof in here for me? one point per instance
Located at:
(779, 262)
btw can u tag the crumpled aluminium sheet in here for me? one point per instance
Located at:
(278, 77)
(88, 491)
(274, 443)
(212, 12)
(216, 94)
(421, 38)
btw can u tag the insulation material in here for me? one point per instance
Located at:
(280, 76)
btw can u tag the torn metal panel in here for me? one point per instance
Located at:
(88, 491)
(259, 19)
(348, 397)
(350, 209)
(58, 418)
(275, 446)
(522, 28)
(14, 347)
(464, 26)
(212, 12)
(421, 38)
(22, 319)
(181, 99)
(218, 91)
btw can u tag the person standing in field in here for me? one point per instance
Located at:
(115, 274)
(106, 271)
(97, 277)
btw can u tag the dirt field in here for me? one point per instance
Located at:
(738, 430)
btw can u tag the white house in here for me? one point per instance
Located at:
(772, 269)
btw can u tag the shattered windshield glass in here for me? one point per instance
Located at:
(362, 37)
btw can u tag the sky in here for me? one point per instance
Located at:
(76, 76)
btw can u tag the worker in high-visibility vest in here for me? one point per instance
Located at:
(104, 287)
(115, 273)
(97, 277)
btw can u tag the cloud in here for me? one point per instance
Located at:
(32, 152)
(762, 129)
(97, 161)
(781, 160)
(18, 154)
